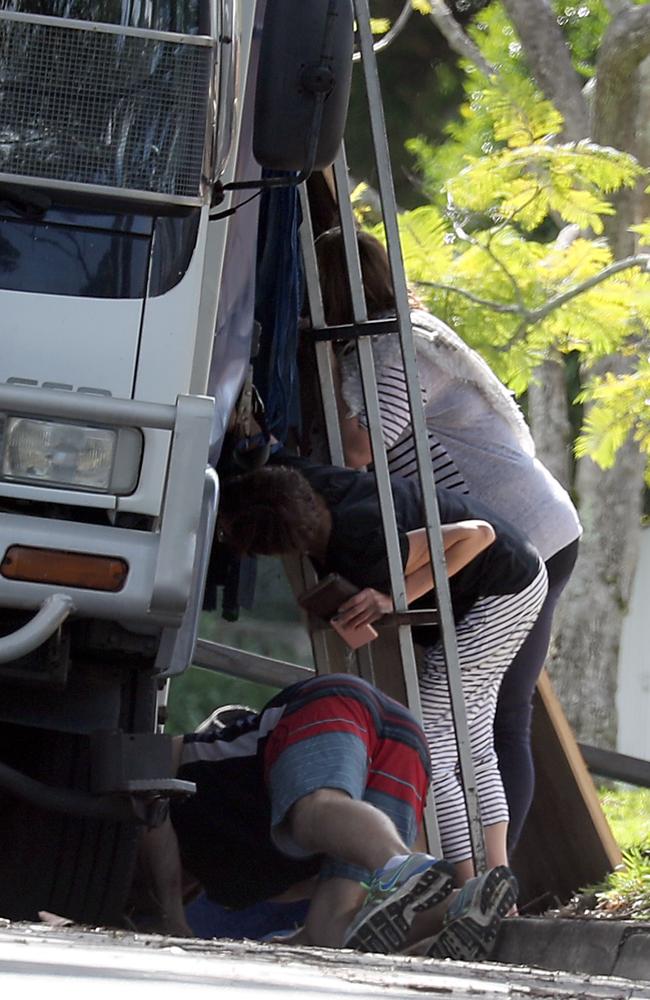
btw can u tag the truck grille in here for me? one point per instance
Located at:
(116, 108)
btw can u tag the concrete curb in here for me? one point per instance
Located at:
(593, 946)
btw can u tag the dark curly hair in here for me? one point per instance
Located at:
(271, 511)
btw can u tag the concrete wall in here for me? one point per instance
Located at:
(633, 700)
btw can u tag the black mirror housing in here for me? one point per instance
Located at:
(305, 62)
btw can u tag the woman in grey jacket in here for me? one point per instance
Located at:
(479, 444)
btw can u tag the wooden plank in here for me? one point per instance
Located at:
(566, 843)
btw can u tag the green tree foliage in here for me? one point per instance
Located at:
(620, 403)
(490, 104)
(511, 248)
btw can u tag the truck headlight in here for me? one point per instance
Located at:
(101, 459)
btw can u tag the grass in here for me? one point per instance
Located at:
(628, 813)
(625, 893)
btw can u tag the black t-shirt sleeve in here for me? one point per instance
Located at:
(360, 556)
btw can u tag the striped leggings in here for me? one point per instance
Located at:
(489, 637)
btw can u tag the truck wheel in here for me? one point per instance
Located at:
(75, 867)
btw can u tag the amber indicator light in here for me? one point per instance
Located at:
(68, 569)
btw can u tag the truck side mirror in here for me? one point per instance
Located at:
(303, 83)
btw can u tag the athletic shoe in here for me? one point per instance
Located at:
(473, 918)
(221, 718)
(394, 897)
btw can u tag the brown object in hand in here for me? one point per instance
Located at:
(354, 636)
(326, 597)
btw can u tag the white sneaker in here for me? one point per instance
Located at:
(474, 916)
(394, 897)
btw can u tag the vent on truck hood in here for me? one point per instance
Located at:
(104, 109)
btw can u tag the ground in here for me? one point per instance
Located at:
(72, 963)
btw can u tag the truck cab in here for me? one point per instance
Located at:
(127, 257)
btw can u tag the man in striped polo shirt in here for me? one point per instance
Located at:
(329, 779)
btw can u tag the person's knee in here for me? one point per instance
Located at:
(304, 813)
(512, 723)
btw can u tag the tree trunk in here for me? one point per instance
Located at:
(548, 412)
(584, 659)
(549, 59)
(643, 136)
(585, 649)
(624, 48)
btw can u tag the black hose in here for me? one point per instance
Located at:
(393, 32)
(64, 800)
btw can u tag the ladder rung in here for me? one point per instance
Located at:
(413, 618)
(394, 620)
(352, 331)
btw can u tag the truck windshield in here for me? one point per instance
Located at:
(181, 16)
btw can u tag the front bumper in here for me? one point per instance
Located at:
(161, 563)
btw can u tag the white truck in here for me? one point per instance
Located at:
(130, 132)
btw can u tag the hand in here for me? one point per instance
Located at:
(364, 608)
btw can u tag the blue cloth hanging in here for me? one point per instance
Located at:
(278, 300)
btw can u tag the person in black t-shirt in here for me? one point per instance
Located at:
(498, 585)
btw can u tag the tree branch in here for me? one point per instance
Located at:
(497, 307)
(549, 59)
(531, 316)
(458, 41)
(511, 278)
(487, 246)
(637, 260)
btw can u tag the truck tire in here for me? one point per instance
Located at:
(75, 867)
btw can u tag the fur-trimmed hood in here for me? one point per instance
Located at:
(441, 347)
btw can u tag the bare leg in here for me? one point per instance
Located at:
(495, 849)
(496, 844)
(427, 924)
(329, 822)
(161, 862)
(160, 859)
(420, 843)
(332, 908)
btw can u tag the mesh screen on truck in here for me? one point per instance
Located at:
(182, 16)
(103, 108)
